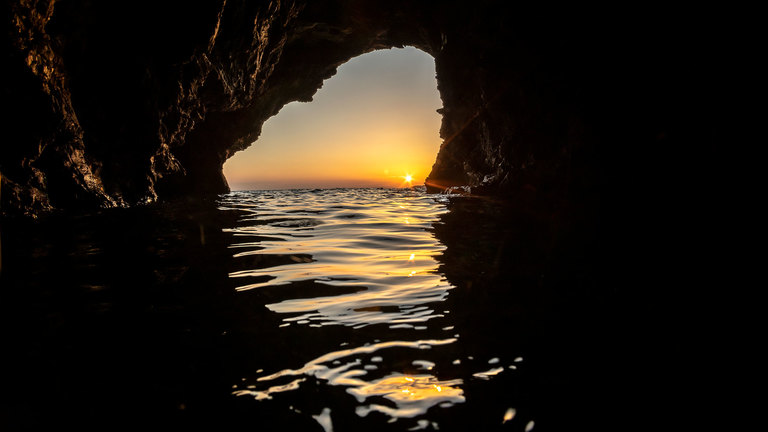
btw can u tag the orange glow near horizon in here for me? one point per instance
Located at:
(374, 124)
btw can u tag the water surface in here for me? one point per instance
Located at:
(340, 309)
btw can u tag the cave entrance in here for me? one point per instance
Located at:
(371, 125)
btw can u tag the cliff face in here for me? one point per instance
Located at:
(125, 102)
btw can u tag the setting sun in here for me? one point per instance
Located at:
(408, 178)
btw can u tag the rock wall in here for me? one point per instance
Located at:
(126, 102)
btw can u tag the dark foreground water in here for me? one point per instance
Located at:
(344, 310)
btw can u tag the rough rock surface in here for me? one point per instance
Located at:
(124, 102)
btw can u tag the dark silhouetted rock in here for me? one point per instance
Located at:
(123, 102)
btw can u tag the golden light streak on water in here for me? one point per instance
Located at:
(353, 259)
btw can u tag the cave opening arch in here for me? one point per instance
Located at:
(373, 123)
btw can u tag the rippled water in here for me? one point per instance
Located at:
(373, 252)
(341, 309)
(374, 245)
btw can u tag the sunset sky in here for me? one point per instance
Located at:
(371, 124)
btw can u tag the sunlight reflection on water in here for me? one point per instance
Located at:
(412, 394)
(356, 259)
(301, 310)
(369, 246)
